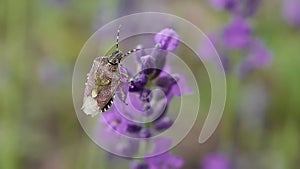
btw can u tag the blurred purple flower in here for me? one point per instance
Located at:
(291, 12)
(162, 161)
(250, 7)
(237, 34)
(215, 161)
(243, 8)
(246, 8)
(223, 4)
(213, 47)
(168, 39)
(165, 160)
(258, 57)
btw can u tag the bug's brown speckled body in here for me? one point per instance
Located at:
(102, 82)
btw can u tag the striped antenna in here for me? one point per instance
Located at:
(131, 51)
(118, 34)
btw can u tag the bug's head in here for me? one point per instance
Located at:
(116, 57)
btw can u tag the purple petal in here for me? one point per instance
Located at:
(160, 60)
(168, 39)
(163, 123)
(148, 64)
(184, 90)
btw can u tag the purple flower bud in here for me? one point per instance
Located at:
(159, 57)
(138, 82)
(148, 64)
(168, 39)
(291, 12)
(237, 34)
(163, 123)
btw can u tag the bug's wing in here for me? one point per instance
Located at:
(90, 105)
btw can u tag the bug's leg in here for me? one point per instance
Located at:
(124, 74)
(126, 78)
(123, 96)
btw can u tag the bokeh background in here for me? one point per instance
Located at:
(41, 39)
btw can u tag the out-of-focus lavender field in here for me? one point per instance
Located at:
(41, 39)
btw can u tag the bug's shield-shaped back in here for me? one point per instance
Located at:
(102, 82)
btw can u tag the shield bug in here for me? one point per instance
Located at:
(104, 78)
